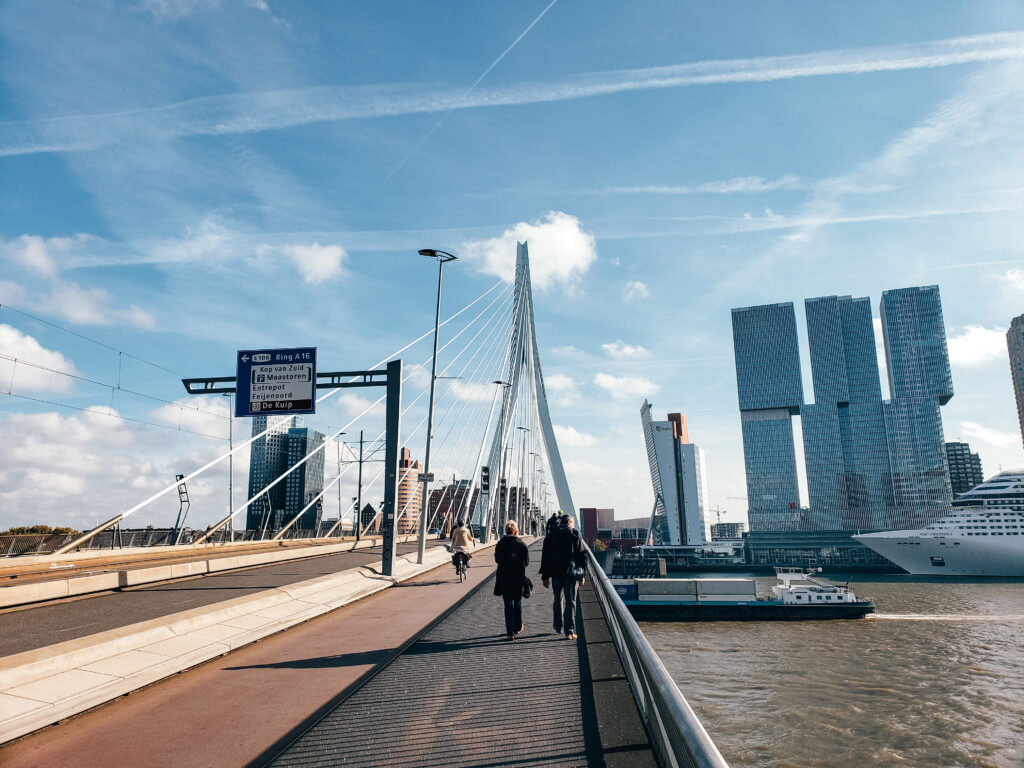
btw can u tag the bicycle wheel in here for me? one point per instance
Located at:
(462, 572)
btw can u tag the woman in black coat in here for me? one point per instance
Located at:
(512, 557)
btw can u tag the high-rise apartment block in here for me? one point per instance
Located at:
(964, 467)
(285, 446)
(304, 485)
(1015, 346)
(679, 477)
(770, 394)
(870, 463)
(410, 492)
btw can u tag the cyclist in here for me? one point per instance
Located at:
(462, 538)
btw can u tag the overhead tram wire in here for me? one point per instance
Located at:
(93, 341)
(195, 473)
(322, 446)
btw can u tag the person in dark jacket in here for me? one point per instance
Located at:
(512, 557)
(562, 548)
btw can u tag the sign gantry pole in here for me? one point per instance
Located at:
(391, 378)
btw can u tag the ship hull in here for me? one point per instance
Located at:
(762, 610)
(950, 555)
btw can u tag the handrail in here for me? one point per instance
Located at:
(676, 734)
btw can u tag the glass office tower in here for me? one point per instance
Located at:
(919, 382)
(770, 394)
(845, 447)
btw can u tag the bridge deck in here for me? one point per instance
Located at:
(462, 695)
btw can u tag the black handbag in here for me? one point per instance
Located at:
(575, 571)
(527, 586)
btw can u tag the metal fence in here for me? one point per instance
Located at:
(676, 734)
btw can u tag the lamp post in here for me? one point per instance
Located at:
(442, 258)
(231, 458)
(521, 519)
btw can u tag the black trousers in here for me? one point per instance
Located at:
(513, 616)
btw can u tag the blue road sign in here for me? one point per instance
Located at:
(275, 381)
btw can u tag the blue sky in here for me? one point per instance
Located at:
(183, 178)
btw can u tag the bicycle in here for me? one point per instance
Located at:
(460, 565)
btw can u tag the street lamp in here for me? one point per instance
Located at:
(442, 258)
(231, 458)
(519, 490)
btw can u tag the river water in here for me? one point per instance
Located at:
(935, 678)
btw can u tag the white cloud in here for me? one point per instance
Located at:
(560, 250)
(252, 112)
(104, 465)
(737, 185)
(625, 387)
(620, 350)
(316, 262)
(986, 435)
(139, 317)
(568, 437)
(38, 254)
(352, 405)
(635, 289)
(975, 345)
(562, 390)
(84, 306)
(21, 378)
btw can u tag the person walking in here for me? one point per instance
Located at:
(563, 564)
(512, 557)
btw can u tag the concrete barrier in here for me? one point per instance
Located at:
(46, 685)
(55, 589)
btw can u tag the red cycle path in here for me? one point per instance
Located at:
(230, 711)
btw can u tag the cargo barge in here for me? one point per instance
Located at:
(798, 596)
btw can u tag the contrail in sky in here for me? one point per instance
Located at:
(469, 90)
(271, 110)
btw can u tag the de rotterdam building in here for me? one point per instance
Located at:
(871, 464)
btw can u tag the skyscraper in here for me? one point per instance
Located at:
(268, 460)
(845, 448)
(410, 492)
(919, 383)
(770, 394)
(1015, 345)
(870, 463)
(679, 478)
(964, 467)
(304, 485)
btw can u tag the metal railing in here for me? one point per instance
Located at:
(676, 734)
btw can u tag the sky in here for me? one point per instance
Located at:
(181, 179)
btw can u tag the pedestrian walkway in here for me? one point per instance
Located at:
(463, 695)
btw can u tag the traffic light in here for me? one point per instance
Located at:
(485, 479)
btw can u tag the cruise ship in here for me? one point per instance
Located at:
(982, 536)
